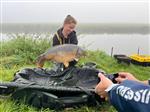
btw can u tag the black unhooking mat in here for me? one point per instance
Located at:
(48, 89)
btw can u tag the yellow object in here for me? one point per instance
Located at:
(140, 58)
(59, 38)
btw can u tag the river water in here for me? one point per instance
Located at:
(120, 43)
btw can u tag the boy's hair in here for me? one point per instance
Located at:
(69, 19)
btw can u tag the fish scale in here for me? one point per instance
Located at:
(61, 54)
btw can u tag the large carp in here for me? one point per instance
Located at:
(62, 54)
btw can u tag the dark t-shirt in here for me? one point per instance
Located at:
(72, 38)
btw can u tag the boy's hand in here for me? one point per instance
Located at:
(125, 75)
(103, 85)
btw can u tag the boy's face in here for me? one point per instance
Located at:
(68, 28)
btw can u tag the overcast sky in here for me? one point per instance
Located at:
(94, 12)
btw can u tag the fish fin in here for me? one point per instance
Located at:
(39, 66)
(66, 64)
(76, 59)
(40, 61)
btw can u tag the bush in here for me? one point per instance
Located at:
(24, 47)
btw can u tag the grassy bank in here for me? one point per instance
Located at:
(21, 52)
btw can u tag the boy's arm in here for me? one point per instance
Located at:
(130, 96)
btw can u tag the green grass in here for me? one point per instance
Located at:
(21, 53)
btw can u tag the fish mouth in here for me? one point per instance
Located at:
(84, 54)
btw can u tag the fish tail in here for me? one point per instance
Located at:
(40, 61)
